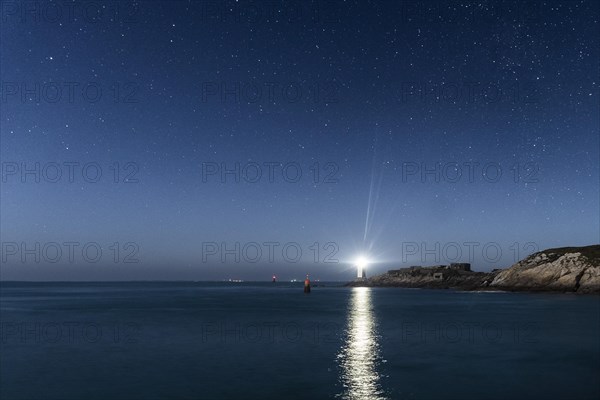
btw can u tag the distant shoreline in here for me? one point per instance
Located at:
(559, 270)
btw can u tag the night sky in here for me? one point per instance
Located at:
(182, 138)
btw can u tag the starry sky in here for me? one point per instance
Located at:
(237, 140)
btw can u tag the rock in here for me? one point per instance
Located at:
(564, 269)
(439, 277)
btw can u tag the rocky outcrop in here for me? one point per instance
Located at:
(566, 269)
(428, 277)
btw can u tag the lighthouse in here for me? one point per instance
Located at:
(360, 273)
(361, 265)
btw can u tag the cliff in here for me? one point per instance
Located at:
(565, 269)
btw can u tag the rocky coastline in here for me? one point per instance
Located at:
(565, 269)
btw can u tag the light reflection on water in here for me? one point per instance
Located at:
(360, 356)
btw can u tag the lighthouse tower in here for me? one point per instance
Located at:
(361, 273)
(361, 265)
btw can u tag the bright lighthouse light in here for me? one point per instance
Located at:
(362, 262)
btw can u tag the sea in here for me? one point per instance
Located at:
(245, 340)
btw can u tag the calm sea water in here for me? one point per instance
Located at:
(271, 341)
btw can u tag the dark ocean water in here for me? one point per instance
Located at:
(271, 341)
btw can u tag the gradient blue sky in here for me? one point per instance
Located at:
(368, 94)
